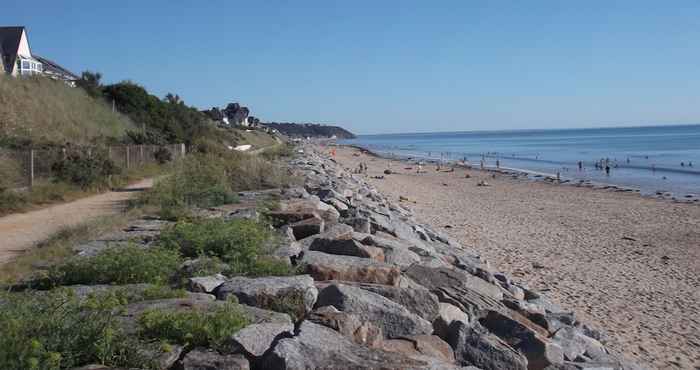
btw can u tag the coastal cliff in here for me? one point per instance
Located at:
(310, 130)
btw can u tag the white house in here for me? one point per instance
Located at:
(18, 60)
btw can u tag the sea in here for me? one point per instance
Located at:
(651, 159)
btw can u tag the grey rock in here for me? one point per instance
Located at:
(323, 266)
(206, 359)
(446, 316)
(412, 296)
(243, 213)
(526, 337)
(420, 346)
(476, 346)
(349, 325)
(361, 225)
(471, 294)
(396, 251)
(336, 231)
(394, 319)
(205, 284)
(267, 292)
(575, 344)
(318, 347)
(347, 247)
(308, 227)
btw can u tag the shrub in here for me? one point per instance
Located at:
(117, 265)
(198, 180)
(57, 331)
(84, 169)
(163, 155)
(234, 242)
(194, 327)
(278, 151)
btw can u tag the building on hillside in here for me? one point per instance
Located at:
(18, 60)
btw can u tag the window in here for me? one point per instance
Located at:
(26, 64)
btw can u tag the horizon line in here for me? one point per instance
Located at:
(532, 129)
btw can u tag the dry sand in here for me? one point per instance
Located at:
(624, 263)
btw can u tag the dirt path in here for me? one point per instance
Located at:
(19, 232)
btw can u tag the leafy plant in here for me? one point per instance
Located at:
(55, 330)
(117, 265)
(84, 169)
(194, 327)
(235, 242)
(163, 155)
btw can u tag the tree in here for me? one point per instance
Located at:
(91, 83)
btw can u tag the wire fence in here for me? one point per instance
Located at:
(24, 168)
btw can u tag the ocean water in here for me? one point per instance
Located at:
(651, 159)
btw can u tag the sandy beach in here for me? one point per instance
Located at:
(621, 261)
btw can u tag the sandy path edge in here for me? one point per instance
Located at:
(21, 231)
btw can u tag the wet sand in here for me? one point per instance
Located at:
(626, 264)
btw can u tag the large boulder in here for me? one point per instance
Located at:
(324, 266)
(308, 227)
(575, 344)
(318, 347)
(347, 247)
(447, 314)
(361, 332)
(394, 320)
(397, 252)
(526, 337)
(476, 346)
(471, 294)
(295, 293)
(205, 284)
(334, 232)
(421, 345)
(206, 359)
(412, 296)
(265, 327)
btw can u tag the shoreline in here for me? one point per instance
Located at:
(625, 261)
(544, 177)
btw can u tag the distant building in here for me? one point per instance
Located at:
(18, 60)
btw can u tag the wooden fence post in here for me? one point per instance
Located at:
(31, 167)
(127, 157)
(182, 150)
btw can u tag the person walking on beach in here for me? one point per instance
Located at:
(498, 163)
(580, 165)
(607, 170)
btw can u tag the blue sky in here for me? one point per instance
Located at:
(392, 66)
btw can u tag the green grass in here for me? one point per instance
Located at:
(56, 330)
(258, 139)
(240, 243)
(116, 265)
(194, 328)
(40, 111)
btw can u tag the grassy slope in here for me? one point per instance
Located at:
(257, 139)
(47, 111)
